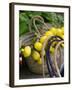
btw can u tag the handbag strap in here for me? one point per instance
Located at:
(33, 21)
(48, 41)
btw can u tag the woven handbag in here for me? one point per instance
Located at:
(34, 35)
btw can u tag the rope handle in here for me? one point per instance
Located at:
(43, 48)
(33, 21)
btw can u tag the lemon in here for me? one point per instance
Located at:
(36, 55)
(22, 50)
(48, 33)
(59, 32)
(53, 30)
(38, 46)
(51, 49)
(42, 39)
(39, 61)
(27, 51)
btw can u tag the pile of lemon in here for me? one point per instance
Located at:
(36, 51)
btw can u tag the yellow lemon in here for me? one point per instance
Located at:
(42, 39)
(62, 36)
(53, 30)
(36, 55)
(38, 46)
(39, 61)
(59, 32)
(27, 51)
(48, 33)
(51, 49)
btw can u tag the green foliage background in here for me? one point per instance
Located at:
(56, 19)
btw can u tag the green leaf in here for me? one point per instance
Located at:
(56, 19)
(23, 18)
(23, 28)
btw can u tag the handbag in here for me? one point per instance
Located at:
(32, 36)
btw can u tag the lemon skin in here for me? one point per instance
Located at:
(36, 55)
(22, 50)
(53, 30)
(39, 61)
(59, 32)
(38, 46)
(42, 39)
(27, 51)
(48, 33)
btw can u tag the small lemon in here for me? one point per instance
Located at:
(22, 50)
(27, 51)
(42, 39)
(48, 33)
(51, 49)
(53, 30)
(39, 61)
(38, 46)
(59, 32)
(36, 55)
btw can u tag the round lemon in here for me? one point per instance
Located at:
(22, 50)
(59, 32)
(53, 30)
(38, 46)
(42, 39)
(27, 51)
(48, 33)
(39, 61)
(36, 55)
